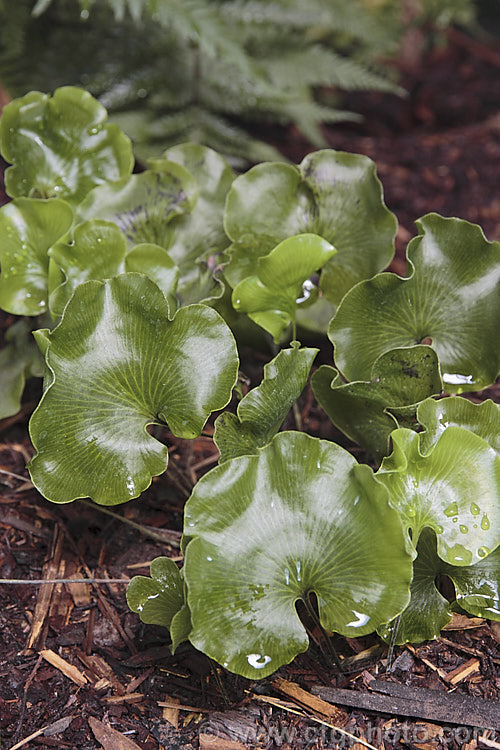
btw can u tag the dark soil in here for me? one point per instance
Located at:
(437, 150)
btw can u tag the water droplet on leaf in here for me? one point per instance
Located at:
(459, 555)
(451, 510)
(485, 523)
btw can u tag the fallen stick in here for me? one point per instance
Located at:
(433, 705)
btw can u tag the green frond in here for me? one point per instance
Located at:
(316, 65)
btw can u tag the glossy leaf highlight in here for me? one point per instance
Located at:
(451, 296)
(28, 228)
(61, 146)
(267, 530)
(119, 364)
(333, 194)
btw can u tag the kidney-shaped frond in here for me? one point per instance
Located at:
(19, 359)
(451, 297)
(118, 364)
(143, 205)
(61, 146)
(157, 598)
(160, 599)
(334, 194)
(367, 412)
(454, 489)
(265, 531)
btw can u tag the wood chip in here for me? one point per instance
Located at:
(14, 521)
(130, 698)
(293, 708)
(36, 637)
(61, 605)
(134, 684)
(102, 684)
(464, 622)
(48, 731)
(109, 738)
(100, 669)
(71, 672)
(80, 592)
(312, 702)
(473, 666)
(58, 726)
(171, 714)
(182, 707)
(489, 743)
(212, 742)
(427, 736)
(495, 629)
(424, 660)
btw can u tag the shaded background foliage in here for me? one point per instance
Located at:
(208, 70)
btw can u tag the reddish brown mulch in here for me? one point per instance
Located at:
(439, 150)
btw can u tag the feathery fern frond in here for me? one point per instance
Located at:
(315, 65)
(164, 63)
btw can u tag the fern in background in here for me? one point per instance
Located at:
(199, 70)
